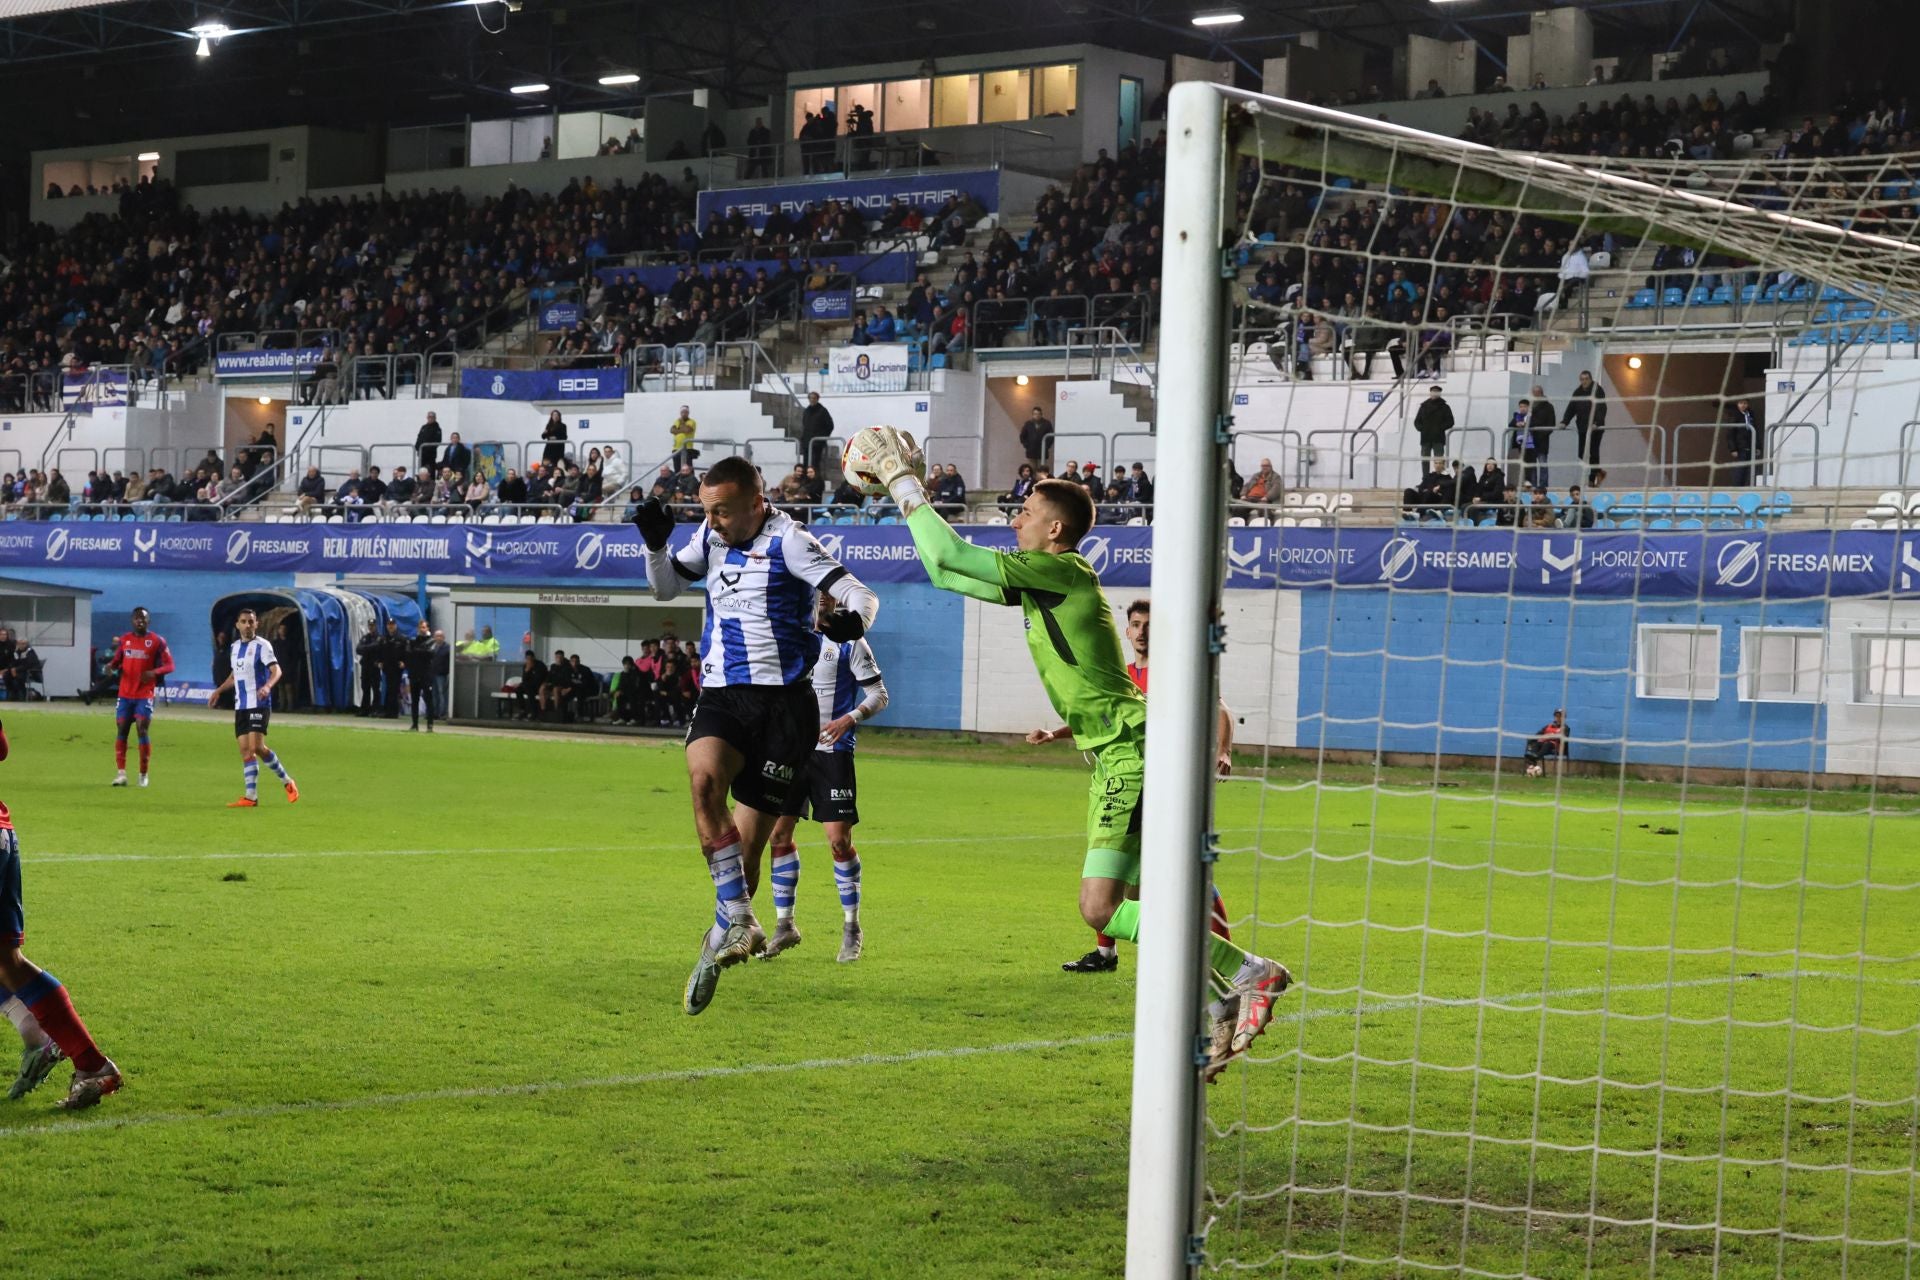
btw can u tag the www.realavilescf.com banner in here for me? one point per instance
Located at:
(1736, 565)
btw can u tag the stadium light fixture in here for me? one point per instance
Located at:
(145, 156)
(538, 86)
(623, 77)
(1634, 362)
(1219, 18)
(1021, 380)
(264, 399)
(205, 34)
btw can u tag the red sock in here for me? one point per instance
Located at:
(47, 1000)
(1218, 921)
(120, 754)
(1102, 941)
(146, 754)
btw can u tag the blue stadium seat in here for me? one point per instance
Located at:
(1601, 503)
(1673, 297)
(1723, 504)
(1641, 300)
(1782, 505)
(1629, 505)
(1690, 523)
(1659, 524)
(1659, 504)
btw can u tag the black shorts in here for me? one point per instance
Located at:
(775, 727)
(831, 792)
(251, 721)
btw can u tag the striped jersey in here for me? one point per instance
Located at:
(759, 624)
(844, 669)
(253, 664)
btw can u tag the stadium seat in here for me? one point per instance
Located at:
(1316, 502)
(1133, 523)
(1311, 522)
(1629, 505)
(1891, 503)
(1000, 521)
(1641, 300)
(1688, 504)
(1601, 503)
(1342, 502)
(1659, 504)
(1691, 522)
(1660, 524)
(1257, 522)
(1236, 522)
(1782, 505)
(1291, 500)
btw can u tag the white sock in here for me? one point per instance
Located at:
(1108, 951)
(1252, 970)
(852, 914)
(23, 1020)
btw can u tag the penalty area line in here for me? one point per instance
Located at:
(540, 1088)
(1359, 1009)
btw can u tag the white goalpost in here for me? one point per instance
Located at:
(1646, 1005)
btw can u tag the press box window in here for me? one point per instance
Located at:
(1680, 662)
(1886, 669)
(1780, 665)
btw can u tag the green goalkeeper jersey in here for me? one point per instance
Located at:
(1070, 629)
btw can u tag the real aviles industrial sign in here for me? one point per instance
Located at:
(1697, 565)
(871, 196)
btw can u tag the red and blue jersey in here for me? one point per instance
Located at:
(142, 661)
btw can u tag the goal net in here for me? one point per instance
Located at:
(1581, 738)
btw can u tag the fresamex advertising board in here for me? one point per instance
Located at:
(870, 196)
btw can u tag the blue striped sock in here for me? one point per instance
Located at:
(846, 877)
(251, 772)
(786, 880)
(729, 880)
(273, 763)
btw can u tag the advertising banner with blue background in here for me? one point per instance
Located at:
(557, 317)
(877, 268)
(1715, 566)
(98, 388)
(871, 196)
(257, 364)
(830, 304)
(543, 384)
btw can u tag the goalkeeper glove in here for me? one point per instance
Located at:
(843, 625)
(891, 457)
(655, 524)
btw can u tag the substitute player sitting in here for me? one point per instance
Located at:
(140, 657)
(755, 725)
(255, 671)
(1076, 650)
(848, 687)
(1105, 957)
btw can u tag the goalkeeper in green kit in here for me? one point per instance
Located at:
(1076, 649)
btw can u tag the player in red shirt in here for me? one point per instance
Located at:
(1105, 957)
(141, 657)
(36, 1003)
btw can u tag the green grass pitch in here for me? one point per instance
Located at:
(427, 1023)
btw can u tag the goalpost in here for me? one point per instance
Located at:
(1654, 1010)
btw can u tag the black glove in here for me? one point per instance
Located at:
(655, 524)
(843, 625)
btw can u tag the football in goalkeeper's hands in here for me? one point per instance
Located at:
(860, 458)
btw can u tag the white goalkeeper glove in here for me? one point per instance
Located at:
(891, 457)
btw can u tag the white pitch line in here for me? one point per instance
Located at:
(697, 1074)
(538, 1088)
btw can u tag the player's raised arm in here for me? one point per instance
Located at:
(813, 564)
(668, 572)
(952, 563)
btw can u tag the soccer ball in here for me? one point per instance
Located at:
(1534, 771)
(853, 464)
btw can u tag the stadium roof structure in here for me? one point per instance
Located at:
(355, 62)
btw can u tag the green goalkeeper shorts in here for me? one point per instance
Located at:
(1113, 813)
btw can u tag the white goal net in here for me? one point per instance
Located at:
(1586, 809)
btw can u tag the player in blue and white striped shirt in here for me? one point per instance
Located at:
(255, 671)
(849, 689)
(756, 723)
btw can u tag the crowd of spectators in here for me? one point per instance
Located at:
(1122, 495)
(147, 285)
(658, 688)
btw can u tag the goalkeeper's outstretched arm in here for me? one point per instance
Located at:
(952, 563)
